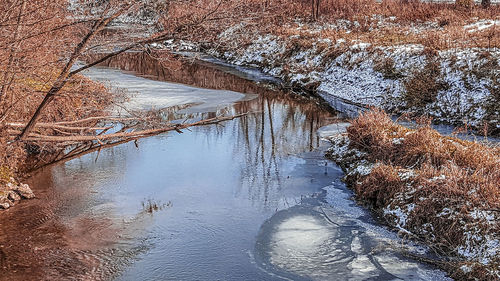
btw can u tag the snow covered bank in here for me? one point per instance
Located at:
(435, 189)
(458, 86)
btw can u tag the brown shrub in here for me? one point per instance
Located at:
(464, 4)
(423, 86)
(348, 9)
(380, 186)
(386, 67)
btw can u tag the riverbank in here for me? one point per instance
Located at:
(80, 100)
(449, 85)
(444, 67)
(440, 60)
(439, 190)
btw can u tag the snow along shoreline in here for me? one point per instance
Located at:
(460, 86)
(477, 252)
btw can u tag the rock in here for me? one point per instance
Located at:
(12, 193)
(11, 186)
(4, 200)
(23, 189)
(14, 196)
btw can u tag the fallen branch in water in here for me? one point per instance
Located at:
(82, 140)
(56, 126)
(97, 118)
(141, 133)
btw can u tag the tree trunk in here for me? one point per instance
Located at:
(65, 75)
(315, 9)
(312, 10)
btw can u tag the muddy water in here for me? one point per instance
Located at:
(249, 199)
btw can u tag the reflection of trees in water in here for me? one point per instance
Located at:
(78, 238)
(263, 141)
(190, 72)
(283, 125)
(282, 128)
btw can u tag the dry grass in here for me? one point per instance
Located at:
(375, 132)
(445, 32)
(448, 173)
(424, 85)
(79, 99)
(405, 11)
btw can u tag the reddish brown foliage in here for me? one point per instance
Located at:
(35, 37)
(279, 17)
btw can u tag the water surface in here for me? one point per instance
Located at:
(247, 199)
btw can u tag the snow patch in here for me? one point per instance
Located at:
(481, 25)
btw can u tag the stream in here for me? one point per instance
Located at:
(248, 199)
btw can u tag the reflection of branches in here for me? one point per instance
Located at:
(273, 145)
(281, 129)
(92, 139)
(286, 124)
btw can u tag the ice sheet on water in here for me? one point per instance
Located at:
(322, 243)
(146, 94)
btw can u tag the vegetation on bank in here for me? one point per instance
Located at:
(48, 110)
(441, 190)
(35, 38)
(437, 26)
(402, 56)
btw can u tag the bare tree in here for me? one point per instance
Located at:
(66, 74)
(60, 113)
(8, 76)
(111, 11)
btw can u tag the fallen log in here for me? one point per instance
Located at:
(97, 118)
(141, 133)
(84, 144)
(57, 126)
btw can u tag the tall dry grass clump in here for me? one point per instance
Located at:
(448, 188)
(375, 132)
(347, 9)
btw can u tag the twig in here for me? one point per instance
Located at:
(57, 126)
